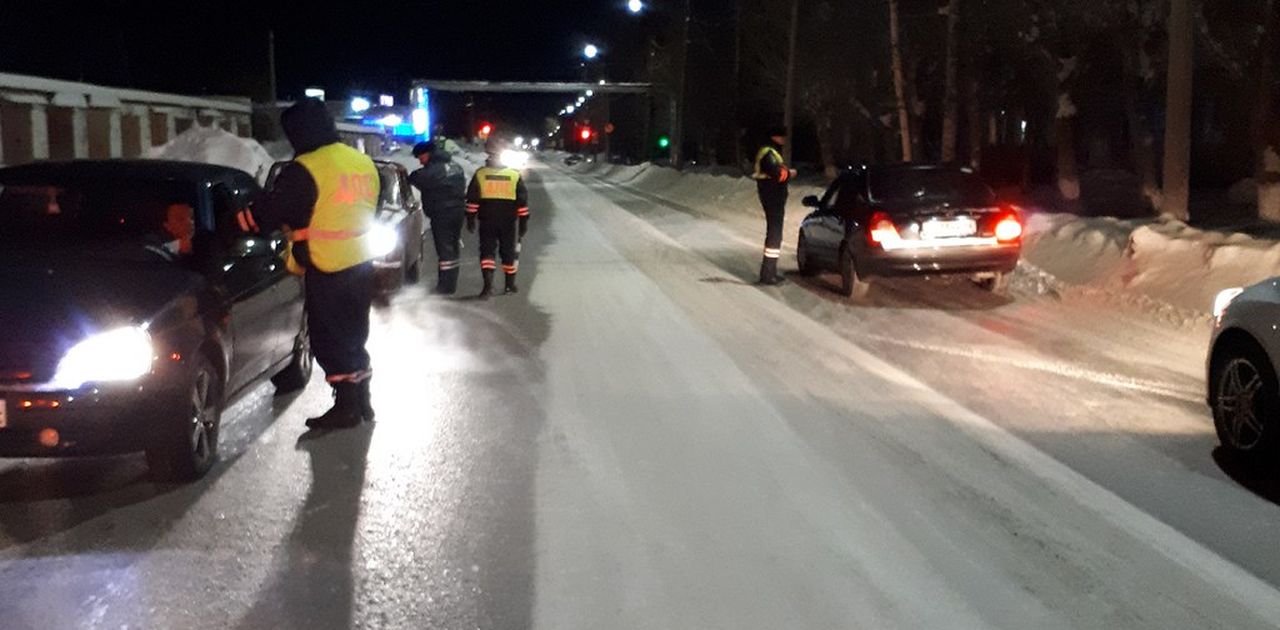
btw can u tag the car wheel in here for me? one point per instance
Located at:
(1245, 401)
(298, 373)
(851, 284)
(997, 284)
(189, 449)
(802, 256)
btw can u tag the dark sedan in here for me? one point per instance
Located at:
(134, 309)
(400, 235)
(910, 220)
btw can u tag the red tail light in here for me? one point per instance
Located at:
(881, 230)
(1009, 229)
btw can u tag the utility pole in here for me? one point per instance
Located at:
(737, 83)
(677, 109)
(1177, 138)
(951, 113)
(271, 67)
(788, 107)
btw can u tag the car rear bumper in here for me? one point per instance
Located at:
(111, 421)
(939, 260)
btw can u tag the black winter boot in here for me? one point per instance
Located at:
(488, 284)
(769, 272)
(511, 284)
(345, 414)
(447, 282)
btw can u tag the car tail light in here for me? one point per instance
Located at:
(881, 230)
(1009, 229)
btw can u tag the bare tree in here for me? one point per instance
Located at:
(951, 107)
(1177, 140)
(899, 80)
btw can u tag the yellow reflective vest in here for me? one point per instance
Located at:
(347, 188)
(761, 175)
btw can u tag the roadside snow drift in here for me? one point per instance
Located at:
(212, 145)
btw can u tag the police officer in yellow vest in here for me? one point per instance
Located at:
(499, 200)
(325, 200)
(772, 175)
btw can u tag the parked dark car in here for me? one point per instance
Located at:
(909, 220)
(135, 309)
(401, 233)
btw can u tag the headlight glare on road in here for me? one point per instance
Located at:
(512, 158)
(383, 239)
(1223, 302)
(121, 354)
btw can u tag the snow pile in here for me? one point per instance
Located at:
(212, 145)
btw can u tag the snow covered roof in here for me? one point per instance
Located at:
(75, 94)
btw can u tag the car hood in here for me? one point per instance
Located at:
(50, 299)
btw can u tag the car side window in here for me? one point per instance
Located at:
(390, 197)
(829, 197)
(851, 195)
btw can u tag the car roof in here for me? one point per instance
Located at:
(888, 169)
(192, 172)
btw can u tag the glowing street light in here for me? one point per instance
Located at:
(635, 6)
(591, 93)
(360, 104)
(591, 51)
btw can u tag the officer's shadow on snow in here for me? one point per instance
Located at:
(41, 497)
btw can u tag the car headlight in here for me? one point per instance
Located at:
(121, 354)
(383, 240)
(512, 158)
(1223, 301)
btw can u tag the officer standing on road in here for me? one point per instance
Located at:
(772, 175)
(444, 187)
(326, 199)
(497, 197)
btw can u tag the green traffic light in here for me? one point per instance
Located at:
(664, 142)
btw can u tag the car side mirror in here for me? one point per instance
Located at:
(811, 201)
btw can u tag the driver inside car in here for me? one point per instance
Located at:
(178, 231)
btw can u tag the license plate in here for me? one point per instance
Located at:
(4, 415)
(948, 228)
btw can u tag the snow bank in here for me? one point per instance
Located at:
(212, 145)
(1161, 266)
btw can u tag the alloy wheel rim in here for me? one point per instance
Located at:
(1238, 390)
(203, 416)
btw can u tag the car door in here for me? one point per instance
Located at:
(417, 220)
(288, 290)
(826, 228)
(392, 211)
(251, 272)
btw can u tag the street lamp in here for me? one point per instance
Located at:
(635, 6)
(591, 51)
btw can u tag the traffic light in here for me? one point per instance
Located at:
(664, 142)
(585, 134)
(485, 130)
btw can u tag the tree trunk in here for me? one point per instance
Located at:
(919, 108)
(951, 108)
(976, 122)
(1064, 133)
(1266, 127)
(899, 82)
(788, 112)
(1177, 139)
(1142, 141)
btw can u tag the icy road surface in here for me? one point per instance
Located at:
(641, 439)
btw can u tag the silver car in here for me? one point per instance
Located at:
(1243, 391)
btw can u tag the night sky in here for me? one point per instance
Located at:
(219, 47)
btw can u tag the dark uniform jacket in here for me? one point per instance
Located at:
(443, 186)
(772, 174)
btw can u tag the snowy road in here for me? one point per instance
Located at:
(641, 439)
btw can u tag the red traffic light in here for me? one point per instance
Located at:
(585, 134)
(485, 130)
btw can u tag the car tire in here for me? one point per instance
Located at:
(852, 285)
(187, 450)
(997, 284)
(1245, 401)
(298, 373)
(803, 259)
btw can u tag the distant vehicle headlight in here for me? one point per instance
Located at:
(512, 158)
(383, 239)
(121, 354)
(1223, 301)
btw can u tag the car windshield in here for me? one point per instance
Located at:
(107, 218)
(931, 185)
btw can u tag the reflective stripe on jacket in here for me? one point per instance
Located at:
(348, 186)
